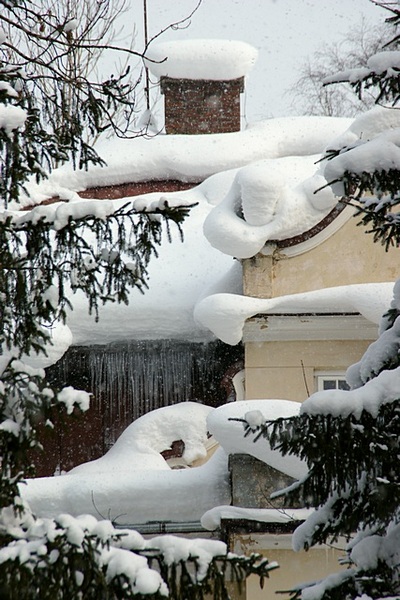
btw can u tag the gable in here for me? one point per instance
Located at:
(347, 256)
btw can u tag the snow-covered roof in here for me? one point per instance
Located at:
(128, 482)
(259, 184)
(192, 158)
(282, 150)
(201, 59)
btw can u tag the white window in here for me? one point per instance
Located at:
(331, 381)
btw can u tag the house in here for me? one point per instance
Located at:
(314, 290)
(161, 349)
(292, 352)
(281, 270)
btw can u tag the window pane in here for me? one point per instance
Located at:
(342, 385)
(329, 384)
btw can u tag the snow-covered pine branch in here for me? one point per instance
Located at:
(91, 246)
(350, 439)
(82, 557)
(50, 110)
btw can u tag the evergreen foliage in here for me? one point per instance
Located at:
(84, 558)
(381, 184)
(47, 254)
(350, 439)
(40, 56)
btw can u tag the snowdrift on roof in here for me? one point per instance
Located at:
(269, 200)
(127, 484)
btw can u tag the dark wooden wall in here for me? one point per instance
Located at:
(128, 380)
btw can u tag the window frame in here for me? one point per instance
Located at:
(321, 376)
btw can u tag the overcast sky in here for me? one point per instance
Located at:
(285, 32)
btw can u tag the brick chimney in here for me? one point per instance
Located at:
(201, 81)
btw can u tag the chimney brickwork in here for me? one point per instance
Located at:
(197, 106)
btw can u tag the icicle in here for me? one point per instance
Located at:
(130, 379)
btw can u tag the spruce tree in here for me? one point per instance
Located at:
(350, 439)
(47, 254)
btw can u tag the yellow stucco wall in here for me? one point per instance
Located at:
(348, 256)
(287, 370)
(294, 569)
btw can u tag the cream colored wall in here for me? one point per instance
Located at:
(286, 369)
(348, 256)
(294, 567)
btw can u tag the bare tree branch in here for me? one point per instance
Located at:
(309, 95)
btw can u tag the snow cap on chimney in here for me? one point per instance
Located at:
(213, 60)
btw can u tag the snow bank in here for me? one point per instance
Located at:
(201, 59)
(225, 314)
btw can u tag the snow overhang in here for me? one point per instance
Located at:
(225, 314)
(333, 326)
(281, 201)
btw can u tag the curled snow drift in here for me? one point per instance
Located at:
(127, 484)
(139, 446)
(230, 434)
(273, 199)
